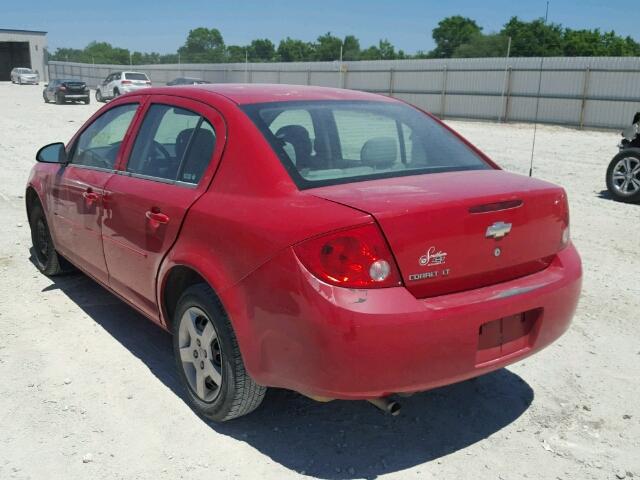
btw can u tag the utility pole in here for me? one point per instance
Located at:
(546, 13)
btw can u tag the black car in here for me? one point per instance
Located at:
(67, 90)
(623, 174)
(186, 81)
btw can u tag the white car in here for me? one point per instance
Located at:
(23, 75)
(119, 83)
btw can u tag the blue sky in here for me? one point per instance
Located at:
(162, 26)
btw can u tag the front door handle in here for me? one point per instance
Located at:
(90, 196)
(157, 218)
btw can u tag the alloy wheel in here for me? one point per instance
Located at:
(200, 354)
(626, 176)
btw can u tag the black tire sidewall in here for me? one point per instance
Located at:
(631, 152)
(36, 214)
(202, 297)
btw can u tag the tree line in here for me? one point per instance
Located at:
(454, 37)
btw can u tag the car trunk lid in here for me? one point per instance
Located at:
(456, 231)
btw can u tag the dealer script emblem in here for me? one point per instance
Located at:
(432, 258)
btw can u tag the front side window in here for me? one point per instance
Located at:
(99, 143)
(329, 142)
(173, 144)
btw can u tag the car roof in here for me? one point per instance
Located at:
(244, 94)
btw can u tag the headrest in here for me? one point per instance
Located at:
(379, 152)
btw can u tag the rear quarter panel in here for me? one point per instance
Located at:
(251, 211)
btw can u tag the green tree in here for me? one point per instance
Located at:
(236, 53)
(291, 50)
(262, 50)
(452, 32)
(203, 45)
(534, 39)
(351, 48)
(480, 46)
(328, 47)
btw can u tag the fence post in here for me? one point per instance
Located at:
(443, 97)
(507, 103)
(585, 90)
(345, 77)
(308, 76)
(279, 72)
(391, 82)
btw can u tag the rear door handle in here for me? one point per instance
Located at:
(157, 217)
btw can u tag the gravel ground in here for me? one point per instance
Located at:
(87, 387)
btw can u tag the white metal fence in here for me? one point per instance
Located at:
(597, 92)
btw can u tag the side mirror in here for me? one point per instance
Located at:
(52, 153)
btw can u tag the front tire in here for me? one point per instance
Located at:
(44, 96)
(623, 176)
(208, 358)
(59, 99)
(46, 257)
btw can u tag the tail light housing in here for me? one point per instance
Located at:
(353, 258)
(126, 82)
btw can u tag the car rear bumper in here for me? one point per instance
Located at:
(299, 333)
(132, 88)
(75, 96)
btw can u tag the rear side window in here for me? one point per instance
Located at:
(99, 143)
(331, 142)
(135, 76)
(173, 144)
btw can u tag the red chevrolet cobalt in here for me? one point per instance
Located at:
(337, 243)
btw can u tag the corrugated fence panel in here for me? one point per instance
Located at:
(599, 92)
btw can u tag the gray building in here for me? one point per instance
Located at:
(22, 48)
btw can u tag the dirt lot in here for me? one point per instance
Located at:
(88, 391)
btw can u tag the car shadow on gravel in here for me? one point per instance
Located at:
(336, 440)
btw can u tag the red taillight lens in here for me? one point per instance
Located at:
(355, 258)
(126, 82)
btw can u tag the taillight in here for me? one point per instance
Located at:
(62, 87)
(355, 258)
(126, 82)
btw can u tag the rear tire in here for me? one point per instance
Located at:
(208, 358)
(99, 97)
(116, 93)
(623, 176)
(87, 101)
(46, 257)
(44, 96)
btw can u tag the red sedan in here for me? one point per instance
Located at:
(337, 243)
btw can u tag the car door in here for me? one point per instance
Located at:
(104, 89)
(77, 189)
(169, 165)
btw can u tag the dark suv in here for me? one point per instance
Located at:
(61, 91)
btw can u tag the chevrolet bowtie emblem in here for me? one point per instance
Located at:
(498, 230)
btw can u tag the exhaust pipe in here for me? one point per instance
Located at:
(386, 405)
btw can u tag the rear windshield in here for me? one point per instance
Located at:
(330, 142)
(25, 70)
(135, 76)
